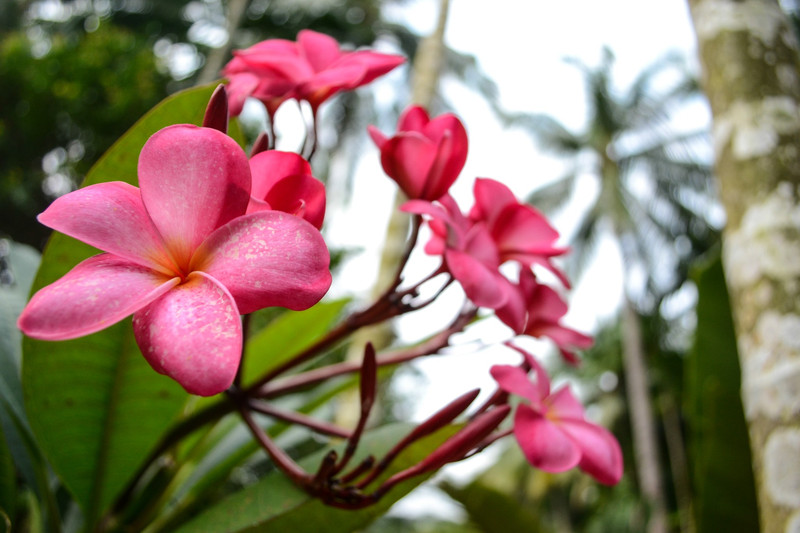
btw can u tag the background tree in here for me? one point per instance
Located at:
(749, 56)
(654, 198)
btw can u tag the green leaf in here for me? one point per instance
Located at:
(94, 404)
(492, 510)
(8, 485)
(275, 504)
(718, 440)
(22, 262)
(287, 336)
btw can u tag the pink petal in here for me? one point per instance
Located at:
(267, 259)
(480, 284)
(240, 86)
(601, 456)
(193, 181)
(491, 197)
(545, 444)
(414, 118)
(374, 63)
(529, 260)
(193, 334)
(96, 294)
(377, 137)
(452, 144)
(563, 404)
(111, 217)
(318, 49)
(513, 313)
(300, 195)
(332, 80)
(542, 379)
(407, 159)
(545, 303)
(442, 172)
(516, 381)
(521, 228)
(563, 337)
(269, 167)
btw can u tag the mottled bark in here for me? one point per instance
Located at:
(750, 69)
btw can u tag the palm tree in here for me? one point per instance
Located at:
(655, 198)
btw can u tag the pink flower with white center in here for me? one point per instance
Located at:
(282, 181)
(313, 69)
(536, 310)
(522, 233)
(552, 429)
(425, 156)
(182, 257)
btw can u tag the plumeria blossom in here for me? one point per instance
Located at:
(521, 233)
(424, 157)
(282, 181)
(467, 249)
(497, 230)
(180, 255)
(313, 69)
(536, 310)
(552, 430)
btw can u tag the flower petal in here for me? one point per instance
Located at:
(601, 456)
(111, 217)
(545, 444)
(516, 381)
(563, 404)
(193, 334)
(96, 294)
(413, 118)
(269, 167)
(484, 287)
(318, 49)
(268, 259)
(407, 158)
(193, 181)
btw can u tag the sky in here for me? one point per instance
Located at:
(521, 45)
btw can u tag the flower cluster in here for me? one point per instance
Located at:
(211, 234)
(312, 69)
(424, 158)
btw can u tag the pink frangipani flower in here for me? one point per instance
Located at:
(552, 429)
(536, 310)
(468, 251)
(521, 232)
(182, 257)
(425, 156)
(313, 69)
(282, 181)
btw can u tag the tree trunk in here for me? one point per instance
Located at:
(644, 431)
(749, 57)
(643, 425)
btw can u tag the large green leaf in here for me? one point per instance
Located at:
(275, 504)
(94, 404)
(718, 440)
(21, 261)
(491, 510)
(286, 336)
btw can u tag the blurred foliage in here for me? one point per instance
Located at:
(718, 439)
(64, 108)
